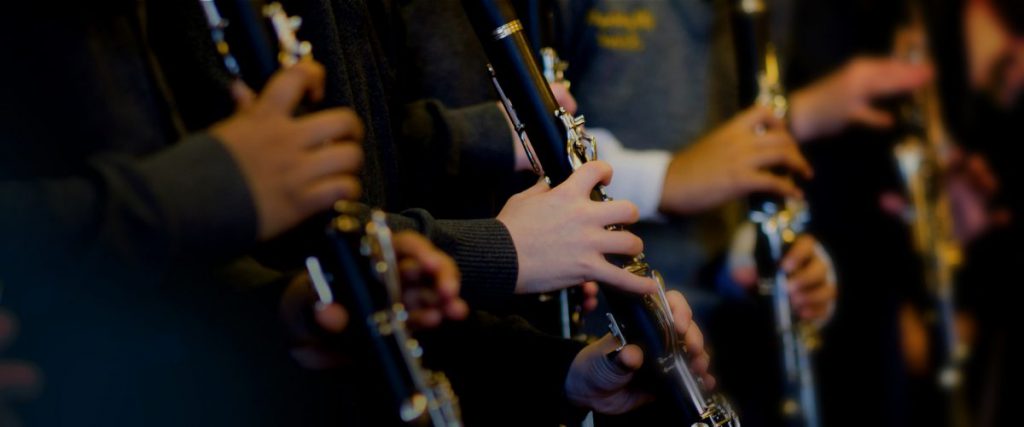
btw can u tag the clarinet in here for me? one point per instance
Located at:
(258, 39)
(561, 146)
(217, 26)
(569, 299)
(921, 154)
(778, 222)
(357, 263)
(539, 26)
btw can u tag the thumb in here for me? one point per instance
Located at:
(331, 317)
(630, 359)
(614, 371)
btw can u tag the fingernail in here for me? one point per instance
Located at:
(614, 358)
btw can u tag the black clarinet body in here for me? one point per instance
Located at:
(540, 26)
(246, 26)
(560, 146)
(778, 221)
(922, 155)
(355, 261)
(758, 70)
(358, 266)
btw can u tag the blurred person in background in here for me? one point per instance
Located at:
(982, 59)
(661, 77)
(124, 235)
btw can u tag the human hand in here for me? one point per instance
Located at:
(430, 294)
(601, 379)
(731, 162)
(561, 238)
(845, 97)
(810, 279)
(295, 167)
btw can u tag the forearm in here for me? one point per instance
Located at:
(482, 248)
(125, 211)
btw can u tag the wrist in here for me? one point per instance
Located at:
(677, 195)
(522, 266)
(801, 117)
(672, 202)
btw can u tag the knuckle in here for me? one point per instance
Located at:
(590, 264)
(302, 133)
(582, 210)
(591, 240)
(352, 156)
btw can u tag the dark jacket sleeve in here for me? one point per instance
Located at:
(482, 248)
(187, 203)
(440, 143)
(504, 372)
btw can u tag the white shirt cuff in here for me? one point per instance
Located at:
(639, 174)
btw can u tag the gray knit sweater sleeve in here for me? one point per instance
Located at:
(482, 248)
(472, 141)
(187, 203)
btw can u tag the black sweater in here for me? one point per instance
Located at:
(110, 228)
(110, 221)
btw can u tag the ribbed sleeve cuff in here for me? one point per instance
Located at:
(486, 256)
(639, 174)
(482, 248)
(210, 210)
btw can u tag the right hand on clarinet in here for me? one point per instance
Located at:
(733, 161)
(560, 235)
(295, 166)
(430, 292)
